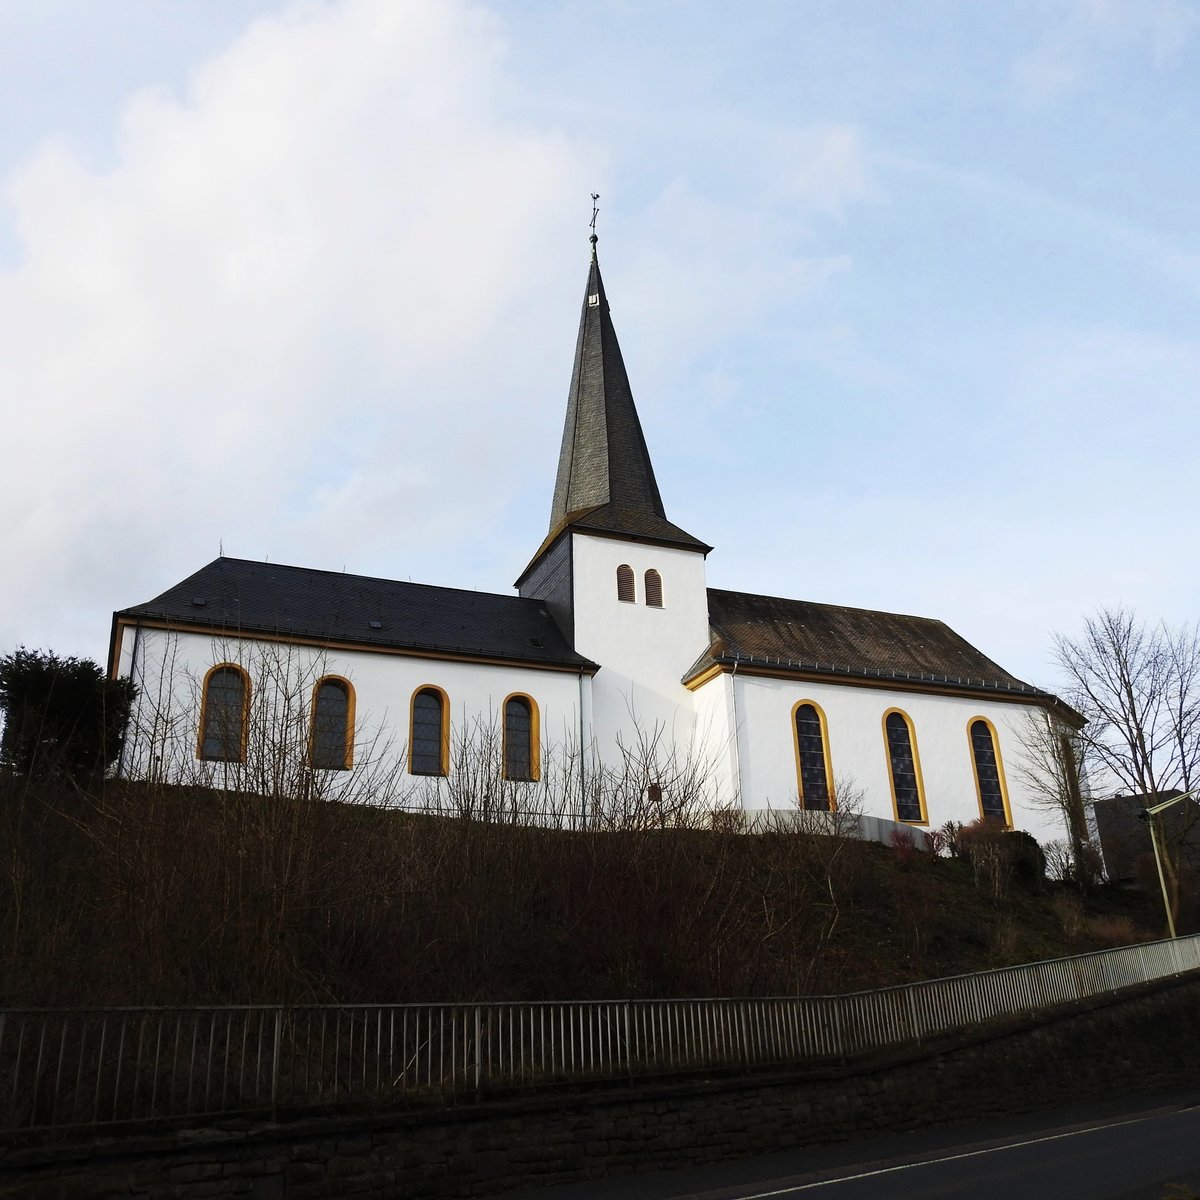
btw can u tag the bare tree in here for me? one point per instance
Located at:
(1052, 771)
(273, 731)
(651, 781)
(1138, 685)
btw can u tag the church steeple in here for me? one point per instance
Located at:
(605, 478)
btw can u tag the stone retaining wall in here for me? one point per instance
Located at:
(1143, 1040)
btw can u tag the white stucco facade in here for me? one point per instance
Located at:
(767, 767)
(169, 668)
(737, 724)
(644, 651)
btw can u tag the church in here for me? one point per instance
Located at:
(613, 680)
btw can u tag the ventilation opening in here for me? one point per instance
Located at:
(625, 583)
(654, 592)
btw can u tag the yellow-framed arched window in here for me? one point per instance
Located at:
(522, 733)
(331, 729)
(990, 784)
(429, 732)
(224, 714)
(625, 587)
(814, 772)
(653, 589)
(904, 767)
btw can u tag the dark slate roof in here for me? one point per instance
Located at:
(604, 470)
(255, 597)
(805, 636)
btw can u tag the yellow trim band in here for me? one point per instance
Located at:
(347, 736)
(1008, 821)
(535, 737)
(244, 732)
(916, 757)
(829, 787)
(444, 748)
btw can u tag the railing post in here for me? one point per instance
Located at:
(628, 1045)
(912, 1014)
(275, 1063)
(478, 1055)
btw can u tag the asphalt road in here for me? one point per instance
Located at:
(1130, 1150)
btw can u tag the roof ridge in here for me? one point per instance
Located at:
(858, 608)
(408, 583)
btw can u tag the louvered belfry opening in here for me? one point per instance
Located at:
(654, 592)
(625, 583)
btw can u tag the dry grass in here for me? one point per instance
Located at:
(151, 894)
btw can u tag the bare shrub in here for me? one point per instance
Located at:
(998, 856)
(1068, 908)
(950, 835)
(1108, 931)
(728, 820)
(1060, 862)
(1005, 941)
(903, 847)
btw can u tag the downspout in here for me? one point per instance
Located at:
(126, 747)
(582, 768)
(737, 747)
(585, 723)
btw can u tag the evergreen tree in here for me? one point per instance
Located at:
(60, 714)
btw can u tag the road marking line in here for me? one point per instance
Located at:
(932, 1162)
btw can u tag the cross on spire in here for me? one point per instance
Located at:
(595, 209)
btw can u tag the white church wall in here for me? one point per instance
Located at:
(858, 752)
(644, 651)
(171, 666)
(715, 739)
(739, 725)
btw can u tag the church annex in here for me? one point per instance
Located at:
(613, 651)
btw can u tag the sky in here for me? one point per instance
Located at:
(909, 295)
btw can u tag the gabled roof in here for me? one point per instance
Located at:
(769, 632)
(234, 595)
(605, 479)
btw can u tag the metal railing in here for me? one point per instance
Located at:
(98, 1067)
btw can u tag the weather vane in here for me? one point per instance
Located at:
(595, 209)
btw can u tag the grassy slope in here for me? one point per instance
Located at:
(140, 895)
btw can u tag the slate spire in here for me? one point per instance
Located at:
(605, 478)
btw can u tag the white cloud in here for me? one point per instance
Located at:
(305, 310)
(822, 170)
(265, 300)
(1084, 34)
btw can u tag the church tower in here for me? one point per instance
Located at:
(624, 583)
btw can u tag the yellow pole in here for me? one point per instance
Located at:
(1161, 878)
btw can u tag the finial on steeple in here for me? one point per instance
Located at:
(595, 209)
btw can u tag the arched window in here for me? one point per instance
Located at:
(522, 759)
(812, 757)
(653, 589)
(625, 583)
(989, 771)
(429, 733)
(904, 767)
(224, 714)
(331, 731)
